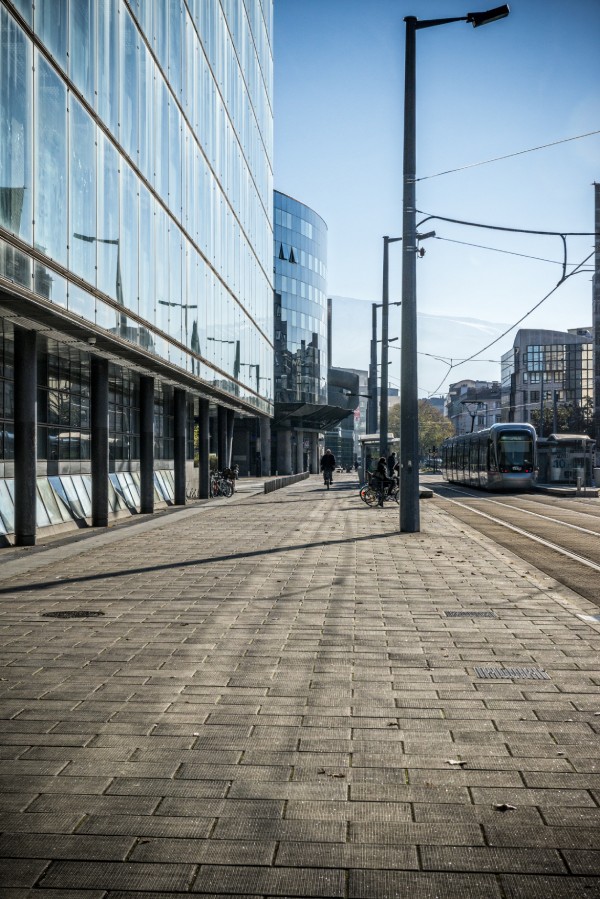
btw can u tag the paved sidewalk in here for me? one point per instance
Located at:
(274, 699)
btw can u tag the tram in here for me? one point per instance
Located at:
(503, 457)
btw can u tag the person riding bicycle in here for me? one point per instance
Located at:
(381, 479)
(327, 466)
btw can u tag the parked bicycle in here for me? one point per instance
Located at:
(220, 485)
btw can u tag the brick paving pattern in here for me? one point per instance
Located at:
(276, 704)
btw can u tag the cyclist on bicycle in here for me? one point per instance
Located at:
(327, 466)
(381, 479)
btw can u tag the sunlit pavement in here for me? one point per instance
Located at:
(283, 696)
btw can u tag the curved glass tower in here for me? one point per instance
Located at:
(300, 252)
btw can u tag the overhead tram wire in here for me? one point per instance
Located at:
(473, 165)
(479, 246)
(564, 278)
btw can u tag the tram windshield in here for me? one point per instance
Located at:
(515, 452)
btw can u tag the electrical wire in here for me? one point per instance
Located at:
(479, 246)
(442, 218)
(512, 327)
(473, 165)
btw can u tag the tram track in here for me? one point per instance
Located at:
(564, 549)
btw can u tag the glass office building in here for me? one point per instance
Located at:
(300, 251)
(548, 377)
(302, 328)
(135, 225)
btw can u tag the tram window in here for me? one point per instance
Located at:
(515, 453)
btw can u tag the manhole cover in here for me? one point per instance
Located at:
(72, 614)
(469, 614)
(527, 673)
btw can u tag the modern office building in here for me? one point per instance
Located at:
(301, 337)
(136, 292)
(473, 405)
(549, 375)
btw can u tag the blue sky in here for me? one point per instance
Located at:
(525, 81)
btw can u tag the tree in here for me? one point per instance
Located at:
(434, 427)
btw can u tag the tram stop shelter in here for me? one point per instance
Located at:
(369, 445)
(566, 459)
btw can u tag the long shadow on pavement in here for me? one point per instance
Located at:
(43, 585)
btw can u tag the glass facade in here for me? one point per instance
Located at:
(300, 253)
(136, 177)
(545, 369)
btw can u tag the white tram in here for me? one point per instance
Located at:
(502, 457)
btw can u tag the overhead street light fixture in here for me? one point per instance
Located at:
(409, 403)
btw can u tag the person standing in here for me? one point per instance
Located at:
(391, 465)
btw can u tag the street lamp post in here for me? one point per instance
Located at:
(409, 423)
(385, 305)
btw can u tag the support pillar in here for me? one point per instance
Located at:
(25, 436)
(99, 436)
(147, 444)
(221, 438)
(203, 449)
(265, 445)
(299, 452)
(180, 443)
(229, 444)
(284, 451)
(314, 453)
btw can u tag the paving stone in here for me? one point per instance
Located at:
(112, 875)
(421, 885)
(483, 858)
(197, 851)
(541, 887)
(273, 881)
(17, 872)
(146, 826)
(44, 845)
(583, 862)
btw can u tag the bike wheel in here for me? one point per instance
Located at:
(371, 496)
(362, 491)
(225, 488)
(394, 494)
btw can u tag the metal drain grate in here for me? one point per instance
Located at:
(469, 614)
(526, 673)
(72, 614)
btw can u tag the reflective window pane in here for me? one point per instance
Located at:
(50, 148)
(82, 45)
(82, 193)
(15, 126)
(51, 27)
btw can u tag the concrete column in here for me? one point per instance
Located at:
(314, 453)
(25, 436)
(180, 443)
(284, 451)
(221, 438)
(299, 452)
(203, 449)
(147, 444)
(265, 445)
(229, 446)
(99, 435)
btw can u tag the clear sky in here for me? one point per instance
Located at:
(524, 81)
